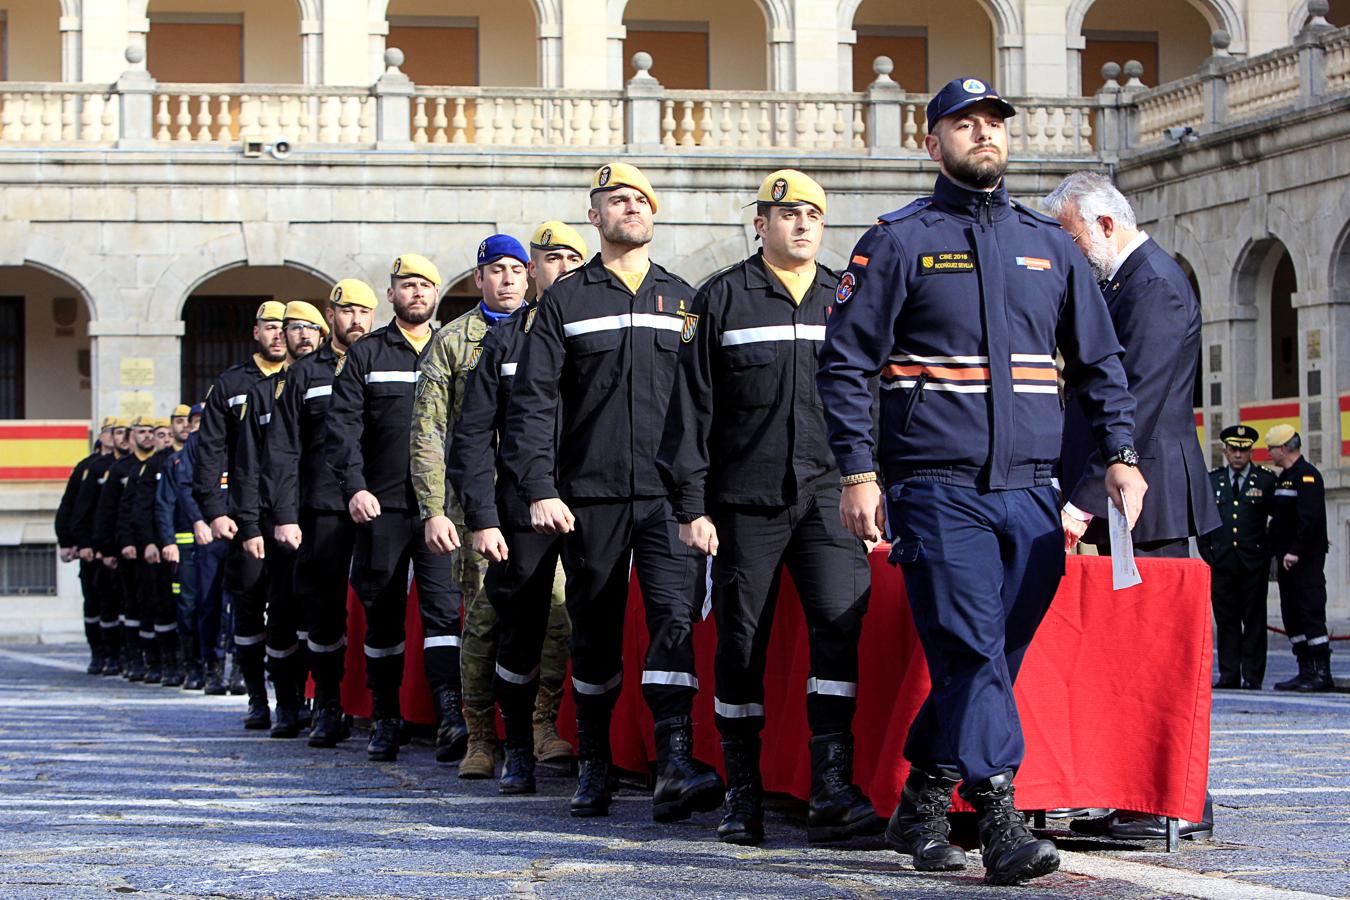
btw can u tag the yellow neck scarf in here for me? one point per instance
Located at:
(797, 283)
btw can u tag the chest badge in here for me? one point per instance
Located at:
(951, 262)
(1034, 263)
(690, 326)
(529, 318)
(281, 386)
(474, 357)
(341, 364)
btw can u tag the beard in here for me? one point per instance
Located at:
(348, 337)
(1101, 258)
(630, 234)
(980, 172)
(301, 348)
(414, 317)
(272, 352)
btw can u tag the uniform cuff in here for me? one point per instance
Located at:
(855, 463)
(431, 510)
(480, 519)
(542, 489)
(1077, 513)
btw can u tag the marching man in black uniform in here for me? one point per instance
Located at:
(212, 457)
(959, 302)
(1298, 540)
(66, 542)
(114, 540)
(306, 502)
(755, 486)
(83, 520)
(1238, 553)
(583, 428)
(369, 421)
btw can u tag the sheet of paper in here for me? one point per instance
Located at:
(1124, 573)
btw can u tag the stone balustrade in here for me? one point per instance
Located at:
(225, 113)
(516, 117)
(47, 113)
(1262, 85)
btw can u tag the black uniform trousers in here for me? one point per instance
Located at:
(520, 589)
(107, 587)
(1303, 598)
(322, 566)
(383, 550)
(160, 610)
(829, 568)
(287, 655)
(610, 539)
(93, 632)
(246, 584)
(128, 584)
(981, 569)
(1238, 595)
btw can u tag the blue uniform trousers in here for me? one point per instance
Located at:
(980, 569)
(210, 577)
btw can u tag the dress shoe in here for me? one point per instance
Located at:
(1251, 685)
(1126, 826)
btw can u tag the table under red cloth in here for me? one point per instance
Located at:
(1114, 693)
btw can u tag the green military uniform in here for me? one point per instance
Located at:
(1238, 553)
(440, 397)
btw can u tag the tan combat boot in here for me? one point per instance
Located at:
(480, 759)
(549, 746)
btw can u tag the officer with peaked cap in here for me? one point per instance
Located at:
(755, 487)
(211, 459)
(524, 583)
(267, 629)
(305, 500)
(959, 303)
(500, 276)
(369, 422)
(584, 424)
(1238, 553)
(1298, 540)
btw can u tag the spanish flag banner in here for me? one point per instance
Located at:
(1345, 424)
(41, 451)
(1265, 416)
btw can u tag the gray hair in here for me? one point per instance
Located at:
(1094, 196)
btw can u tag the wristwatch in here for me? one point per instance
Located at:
(1126, 455)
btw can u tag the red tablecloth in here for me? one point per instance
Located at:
(1114, 693)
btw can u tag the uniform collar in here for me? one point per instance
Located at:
(950, 197)
(595, 272)
(757, 275)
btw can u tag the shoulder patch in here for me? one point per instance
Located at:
(341, 364)
(848, 284)
(905, 212)
(1034, 214)
(690, 327)
(529, 319)
(281, 386)
(1309, 479)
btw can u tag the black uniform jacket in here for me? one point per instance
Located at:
(136, 510)
(370, 418)
(488, 493)
(248, 506)
(219, 433)
(86, 501)
(107, 531)
(745, 424)
(296, 474)
(65, 511)
(603, 360)
(1242, 537)
(1157, 320)
(960, 301)
(1298, 523)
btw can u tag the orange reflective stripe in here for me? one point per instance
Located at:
(1028, 374)
(971, 374)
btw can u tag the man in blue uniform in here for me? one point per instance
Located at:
(959, 302)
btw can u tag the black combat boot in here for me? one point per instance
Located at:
(383, 744)
(287, 722)
(154, 668)
(329, 726)
(743, 820)
(1305, 668)
(919, 824)
(683, 786)
(1011, 854)
(234, 681)
(452, 733)
(215, 679)
(593, 794)
(112, 659)
(173, 666)
(96, 662)
(194, 678)
(134, 669)
(837, 809)
(259, 716)
(1319, 678)
(517, 771)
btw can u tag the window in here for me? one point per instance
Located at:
(218, 332)
(907, 48)
(204, 49)
(436, 50)
(679, 51)
(28, 569)
(11, 357)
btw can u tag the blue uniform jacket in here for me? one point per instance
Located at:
(959, 301)
(1157, 318)
(182, 477)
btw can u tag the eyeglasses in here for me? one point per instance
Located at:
(302, 326)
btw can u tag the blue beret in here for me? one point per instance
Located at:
(498, 245)
(960, 93)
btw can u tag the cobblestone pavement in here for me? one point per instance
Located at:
(112, 788)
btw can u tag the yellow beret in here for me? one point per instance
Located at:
(143, 422)
(1280, 435)
(160, 422)
(181, 411)
(304, 311)
(554, 235)
(122, 422)
(411, 264)
(108, 422)
(271, 311)
(788, 187)
(617, 175)
(353, 292)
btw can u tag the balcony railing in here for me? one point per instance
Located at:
(645, 117)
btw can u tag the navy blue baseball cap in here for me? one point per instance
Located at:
(960, 93)
(196, 409)
(498, 245)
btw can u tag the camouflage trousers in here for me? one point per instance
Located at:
(478, 642)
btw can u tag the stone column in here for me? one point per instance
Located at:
(137, 364)
(71, 27)
(136, 92)
(591, 44)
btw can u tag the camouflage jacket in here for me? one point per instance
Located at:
(454, 351)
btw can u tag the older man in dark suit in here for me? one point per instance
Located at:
(1157, 319)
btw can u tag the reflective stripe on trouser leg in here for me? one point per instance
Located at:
(380, 577)
(320, 582)
(980, 571)
(439, 604)
(521, 591)
(674, 584)
(595, 555)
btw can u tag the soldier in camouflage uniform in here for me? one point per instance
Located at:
(455, 349)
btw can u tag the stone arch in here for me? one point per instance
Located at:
(720, 250)
(778, 30)
(1256, 278)
(1339, 270)
(548, 22)
(1004, 15)
(61, 259)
